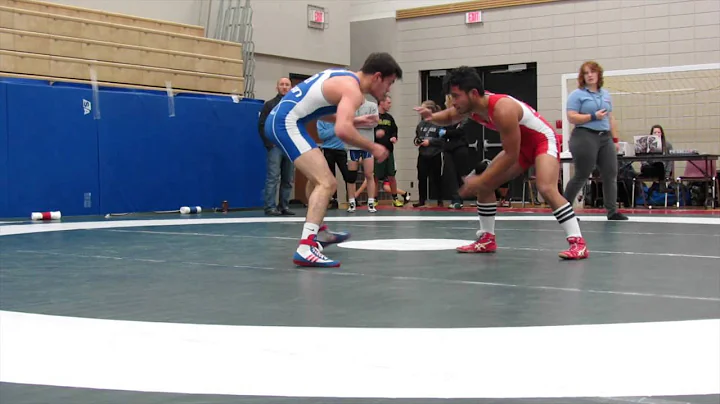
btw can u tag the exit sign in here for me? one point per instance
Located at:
(473, 17)
(318, 16)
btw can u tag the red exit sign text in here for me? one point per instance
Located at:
(473, 17)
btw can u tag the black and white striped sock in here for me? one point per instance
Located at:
(486, 214)
(565, 215)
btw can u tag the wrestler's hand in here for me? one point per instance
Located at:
(472, 184)
(425, 113)
(366, 121)
(379, 152)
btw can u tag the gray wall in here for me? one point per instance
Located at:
(371, 36)
(620, 34)
(280, 28)
(285, 44)
(375, 9)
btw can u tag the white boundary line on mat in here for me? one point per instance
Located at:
(41, 227)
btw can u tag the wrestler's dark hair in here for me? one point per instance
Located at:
(383, 63)
(465, 78)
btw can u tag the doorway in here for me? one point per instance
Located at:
(518, 81)
(311, 127)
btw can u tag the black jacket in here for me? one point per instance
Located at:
(387, 123)
(455, 136)
(428, 130)
(267, 108)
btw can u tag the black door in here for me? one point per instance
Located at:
(432, 87)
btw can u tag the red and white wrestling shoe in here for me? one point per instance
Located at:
(577, 251)
(484, 244)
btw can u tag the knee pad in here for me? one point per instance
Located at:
(352, 176)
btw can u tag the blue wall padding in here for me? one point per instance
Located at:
(208, 152)
(240, 184)
(52, 151)
(3, 149)
(135, 158)
(140, 154)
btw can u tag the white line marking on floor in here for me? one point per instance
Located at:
(529, 287)
(377, 245)
(677, 358)
(182, 233)
(111, 224)
(435, 244)
(652, 254)
(106, 257)
(634, 400)
(628, 233)
(404, 244)
(381, 226)
(501, 229)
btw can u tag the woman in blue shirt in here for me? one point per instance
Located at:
(594, 139)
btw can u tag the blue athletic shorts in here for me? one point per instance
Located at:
(356, 155)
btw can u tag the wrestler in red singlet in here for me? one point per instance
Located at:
(527, 139)
(536, 135)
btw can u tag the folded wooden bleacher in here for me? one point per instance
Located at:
(61, 43)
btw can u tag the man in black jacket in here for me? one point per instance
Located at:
(280, 169)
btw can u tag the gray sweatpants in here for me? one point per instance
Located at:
(590, 149)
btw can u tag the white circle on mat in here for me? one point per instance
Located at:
(405, 244)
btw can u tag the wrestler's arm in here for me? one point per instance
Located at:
(350, 100)
(447, 117)
(362, 121)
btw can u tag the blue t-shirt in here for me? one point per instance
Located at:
(326, 133)
(585, 101)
